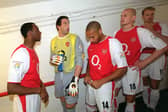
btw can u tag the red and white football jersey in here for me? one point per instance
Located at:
(135, 40)
(24, 70)
(105, 57)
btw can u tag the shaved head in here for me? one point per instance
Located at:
(93, 25)
(128, 17)
(131, 10)
(94, 32)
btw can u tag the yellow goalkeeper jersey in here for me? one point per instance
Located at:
(67, 44)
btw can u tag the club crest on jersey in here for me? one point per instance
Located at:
(67, 44)
(133, 39)
(17, 65)
(104, 51)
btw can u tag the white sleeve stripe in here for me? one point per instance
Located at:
(116, 53)
(19, 65)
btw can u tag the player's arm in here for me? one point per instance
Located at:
(161, 36)
(156, 54)
(147, 39)
(78, 58)
(87, 79)
(43, 93)
(73, 86)
(118, 58)
(14, 88)
(117, 74)
(19, 65)
(164, 33)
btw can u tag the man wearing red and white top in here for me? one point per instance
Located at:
(107, 63)
(154, 72)
(134, 39)
(24, 80)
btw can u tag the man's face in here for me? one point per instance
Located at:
(93, 36)
(64, 27)
(148, 16)
(127, 18)
(36, 34)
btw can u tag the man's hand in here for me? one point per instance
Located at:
(56, 60)
(87, 79)
(139, 65)
(96, 83)
(43, 94)
(73, 87)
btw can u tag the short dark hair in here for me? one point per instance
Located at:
(58, 21)
(93, 25)
(25, 28)
(148, 8)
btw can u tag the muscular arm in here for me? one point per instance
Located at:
(117, 74)
(14, 88)
(157, 53)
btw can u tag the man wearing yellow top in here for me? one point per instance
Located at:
(66, 57)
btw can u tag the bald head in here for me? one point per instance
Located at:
(132, 11)
(128, 17)
(93, 25)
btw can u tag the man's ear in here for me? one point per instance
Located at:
(57, 27)
(100, 31)
(133, 18)
(142, 17)
(29, 33)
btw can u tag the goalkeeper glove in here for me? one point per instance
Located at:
(73, 86)
(56, 59)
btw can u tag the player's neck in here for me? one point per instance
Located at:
(29, 44)
(148, 23)
(127, 27)
(62, 34)
(103, 37)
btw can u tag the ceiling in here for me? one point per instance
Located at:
(10, 3)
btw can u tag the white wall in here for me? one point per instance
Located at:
(107, 12)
